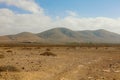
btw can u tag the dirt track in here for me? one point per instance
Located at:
(62, 63)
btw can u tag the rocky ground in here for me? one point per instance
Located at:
(59, 63)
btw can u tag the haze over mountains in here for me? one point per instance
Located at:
(64, 35)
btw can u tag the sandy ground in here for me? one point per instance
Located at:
(61, 63)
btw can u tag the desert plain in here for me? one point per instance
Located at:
(59, 63)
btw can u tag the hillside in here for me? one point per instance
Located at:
(100, 36)
(64, 35)
(59, 35)
(86, 36)
(25, 37)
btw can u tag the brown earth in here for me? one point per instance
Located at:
(59, 63)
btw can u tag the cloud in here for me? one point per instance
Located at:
(28, 5)
(71, 13)
(14, 23)
(11, 23)
(77, 23)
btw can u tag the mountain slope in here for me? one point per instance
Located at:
(5, 39)
(60, 35)
(100, 36)
(87, 36)
(63, 35)
(25, 37)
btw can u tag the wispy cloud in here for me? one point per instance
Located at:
(71, 13)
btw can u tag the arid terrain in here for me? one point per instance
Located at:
(59, 63)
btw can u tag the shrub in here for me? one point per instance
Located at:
(2, 56)
(8, 68)
(9, 51)
(26, 48)
(47, 49)
(48, 54)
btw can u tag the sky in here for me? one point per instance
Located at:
(39, 15)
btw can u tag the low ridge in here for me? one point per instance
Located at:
(64, 35)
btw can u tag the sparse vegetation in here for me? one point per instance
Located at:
(48, 54)
(47, 49)
(8, 69)
(89, 63)
(26, 48)
(9, 51)
(2, 56)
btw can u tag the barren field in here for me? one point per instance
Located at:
(59, 63)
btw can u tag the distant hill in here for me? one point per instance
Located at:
(64, 35)
(86, 36)
(5, 39)
(22, 37)
(59, 35)
(25, 37)
(100, 36)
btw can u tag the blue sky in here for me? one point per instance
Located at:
(40, 15)
(85, 8)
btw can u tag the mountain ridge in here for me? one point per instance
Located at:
(64, 35)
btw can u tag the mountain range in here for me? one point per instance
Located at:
(64, 35)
